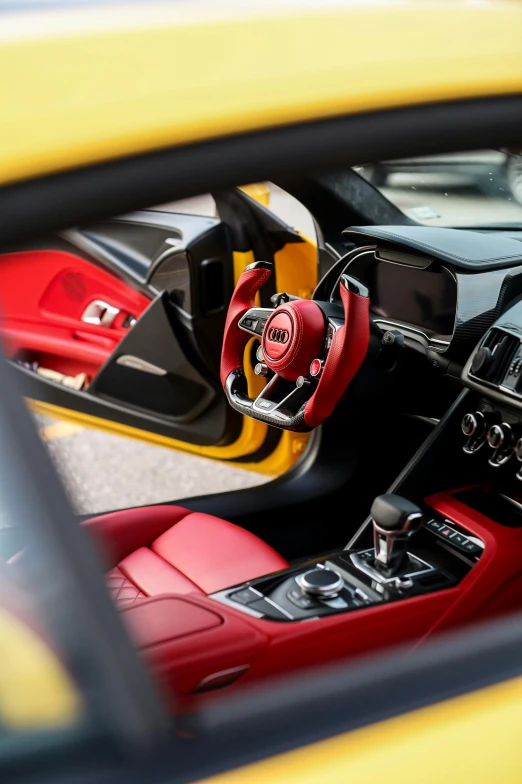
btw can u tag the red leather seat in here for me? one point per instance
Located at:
(167, 549)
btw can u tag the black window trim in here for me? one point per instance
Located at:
(242, 730)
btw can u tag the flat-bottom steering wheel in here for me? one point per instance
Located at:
(310, 351)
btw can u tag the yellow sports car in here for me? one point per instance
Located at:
(356, 617)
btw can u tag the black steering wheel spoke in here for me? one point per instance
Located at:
(254, 320)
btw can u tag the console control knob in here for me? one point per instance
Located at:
(259, 354)
(474, 424)
(501, 436)
(320, 582)
(403, 583)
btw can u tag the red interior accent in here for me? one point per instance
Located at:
(181, 661)
(166, 618)
(346, 354)
(216, 554)
(316, 367)
(168, 549)
(43, 296)
(235, 339)
(120, 533)
(153, 575)
(182, 651)
(122, 590)
(490, 587)
(305, 321)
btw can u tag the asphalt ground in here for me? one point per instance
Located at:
(103, 472)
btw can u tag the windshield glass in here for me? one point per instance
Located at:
(477, 188)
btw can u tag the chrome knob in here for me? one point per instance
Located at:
(261, 369)
(501, 436)
(474, 424)
(320, 582)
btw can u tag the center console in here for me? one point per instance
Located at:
(415, 552)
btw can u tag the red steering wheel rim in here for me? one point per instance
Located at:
(294, 338)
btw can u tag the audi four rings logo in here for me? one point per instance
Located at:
(278, 335)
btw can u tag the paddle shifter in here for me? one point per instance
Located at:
(394, 519)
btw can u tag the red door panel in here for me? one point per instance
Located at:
(43, 295)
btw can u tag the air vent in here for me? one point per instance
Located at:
(492, 360)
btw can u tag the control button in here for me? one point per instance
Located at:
(316, 368)
(268, 609)
(300, 599)
(245, 596)
(458, 539)
(261, 369)
(361, 596)
(473, 424)
(403, 583)
(337, 603)
(455, 538)
(500, 436)
(249, 323)
(518, 449)
(259, 354)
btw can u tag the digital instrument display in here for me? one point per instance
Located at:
(421, 297)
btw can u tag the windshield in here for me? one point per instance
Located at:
(478, 188)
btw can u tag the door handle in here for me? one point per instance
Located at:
(100, 313)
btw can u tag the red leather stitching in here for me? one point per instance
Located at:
(346, 354)
(122, 590)
(234, 339)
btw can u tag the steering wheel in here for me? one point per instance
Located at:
(310, 350)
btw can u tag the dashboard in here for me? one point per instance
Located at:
(442, 288)
(422, 297)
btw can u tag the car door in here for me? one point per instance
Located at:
(118, 324)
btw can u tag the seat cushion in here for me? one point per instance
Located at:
(153, 575)
(168, 549)
(216, 554)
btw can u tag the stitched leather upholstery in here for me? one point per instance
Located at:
(122, 590)
(170, 550)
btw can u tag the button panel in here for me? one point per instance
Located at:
(254, 320)
(446, 531)
(245, 596)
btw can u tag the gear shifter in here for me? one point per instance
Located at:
(394, 520)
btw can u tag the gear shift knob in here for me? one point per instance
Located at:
(394, 519)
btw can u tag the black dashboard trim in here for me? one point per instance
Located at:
(473, 246)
